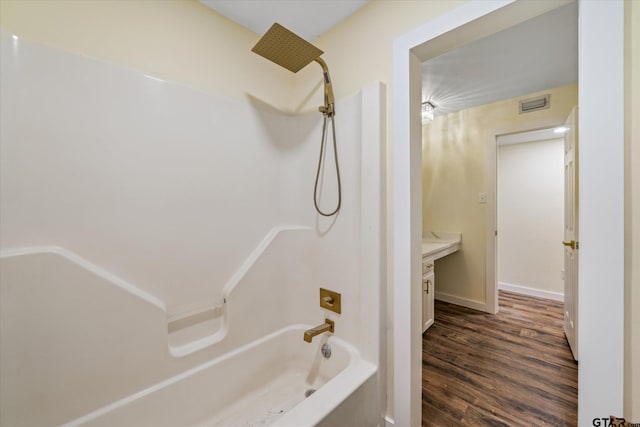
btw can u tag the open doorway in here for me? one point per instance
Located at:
(530, 213)
(524, 77)
(504, 195)
(463, 342)
(600, 74)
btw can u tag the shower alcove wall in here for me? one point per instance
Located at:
(128, 202)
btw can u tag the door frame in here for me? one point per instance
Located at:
(601, 71)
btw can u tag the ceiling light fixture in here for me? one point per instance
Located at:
(560, 129)
(427, 111)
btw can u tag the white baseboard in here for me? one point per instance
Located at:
(464, 302)
(389, 422)
(532, 292)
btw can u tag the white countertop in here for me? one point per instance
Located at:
(437, 245)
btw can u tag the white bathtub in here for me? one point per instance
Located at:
(263, 383)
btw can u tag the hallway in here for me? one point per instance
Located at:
(510, 369)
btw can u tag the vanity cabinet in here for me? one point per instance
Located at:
(435, 245)
(428, 292)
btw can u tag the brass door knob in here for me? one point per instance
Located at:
(572, 244)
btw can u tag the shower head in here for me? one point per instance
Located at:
(286, 48)
(292, 52)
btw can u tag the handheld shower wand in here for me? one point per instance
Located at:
(292, 52)
(328, 109)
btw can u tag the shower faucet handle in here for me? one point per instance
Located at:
(330, 300)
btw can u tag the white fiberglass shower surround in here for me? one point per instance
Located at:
(161, 255)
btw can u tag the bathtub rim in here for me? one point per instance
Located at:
(332, 394)
(327, 398)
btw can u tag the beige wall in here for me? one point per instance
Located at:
(177, 40)
(530, 214)
(632, 212)
(454, 172)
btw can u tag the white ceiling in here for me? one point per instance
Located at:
(539, 54)
(306, 18)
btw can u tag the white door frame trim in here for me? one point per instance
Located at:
(601, 51)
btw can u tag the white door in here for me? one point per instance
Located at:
(571, 246)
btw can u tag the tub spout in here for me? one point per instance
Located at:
(327, 326)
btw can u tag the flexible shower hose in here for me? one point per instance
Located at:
(320, 159)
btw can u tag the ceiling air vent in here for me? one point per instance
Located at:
(534, 104)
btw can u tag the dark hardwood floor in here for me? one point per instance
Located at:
(510, 369)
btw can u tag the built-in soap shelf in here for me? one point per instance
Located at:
(193, 325)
